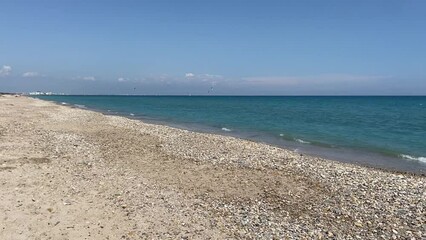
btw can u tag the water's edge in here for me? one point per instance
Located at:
(366, 159)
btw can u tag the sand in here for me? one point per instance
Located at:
(68, 173)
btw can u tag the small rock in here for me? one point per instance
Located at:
(358, 223)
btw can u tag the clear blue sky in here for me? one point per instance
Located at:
(222, 47)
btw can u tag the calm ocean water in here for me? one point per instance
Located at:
(385, 132)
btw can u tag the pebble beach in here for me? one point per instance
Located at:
(69, 173)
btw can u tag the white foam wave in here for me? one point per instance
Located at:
(301, 141)
(226, 129)
(79, 106)
(421, 159)
(132, 114)
(281, 135)
(64, 103)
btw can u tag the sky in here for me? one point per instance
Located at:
(220, 47)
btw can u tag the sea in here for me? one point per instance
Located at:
(378, 131)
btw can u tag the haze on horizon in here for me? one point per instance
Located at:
(231, 47)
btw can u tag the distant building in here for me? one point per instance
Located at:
(40, 93)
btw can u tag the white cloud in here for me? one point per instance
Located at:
(30, 74)
(210, 77)
(5, 70)
(203, 77)
(320, 79)
(89, 78)
(189, 75)
(122, 79)
(85, 78)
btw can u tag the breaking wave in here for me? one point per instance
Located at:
(421, 159)
(80, 106)
(301, 141)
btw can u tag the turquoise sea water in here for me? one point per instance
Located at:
(386, 132)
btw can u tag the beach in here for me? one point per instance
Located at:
(69, 173)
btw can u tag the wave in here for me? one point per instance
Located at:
(64, 103)
(132, 114)
(80, 106)
(421, 159)
(226, 129)
(301, 141)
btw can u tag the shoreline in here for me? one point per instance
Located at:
(295, 149)
(343, 155)
(79, 173)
